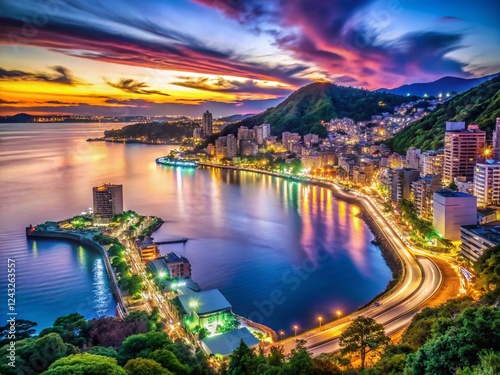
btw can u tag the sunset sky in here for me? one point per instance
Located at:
(229, 56)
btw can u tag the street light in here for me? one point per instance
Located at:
(320, 320)
(295, 327)
(282, 334)
(338, 314)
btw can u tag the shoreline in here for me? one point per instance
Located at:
(133, 141)
(121, 310)
(390, 255)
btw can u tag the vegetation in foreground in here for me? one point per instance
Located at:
(460, 337)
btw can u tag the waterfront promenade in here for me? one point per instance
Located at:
(420, 278)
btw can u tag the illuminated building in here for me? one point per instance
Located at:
(451, 209)
(171, 265)
(207, 308)
(487, 183)
(401, 179)
(207, 124)
(461, 149)
(423, 191)
(496, 140)
(477, 238)
(431, 162)
(413, 158)
(108, 201)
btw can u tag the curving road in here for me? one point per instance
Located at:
(420, 280)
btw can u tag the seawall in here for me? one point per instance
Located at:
(121, 309)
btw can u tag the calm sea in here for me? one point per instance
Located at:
(281, 252)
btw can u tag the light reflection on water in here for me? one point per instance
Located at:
(249, 234)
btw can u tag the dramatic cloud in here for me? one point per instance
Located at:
(59, 74)
(333, 36)
(169, 50)
(134, 87)
(231, 86)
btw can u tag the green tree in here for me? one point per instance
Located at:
(24, 329)
(85, 364)
(242, 361)
(103, 351)
(299, 361)
(456, 342)
(143, 345)
(488, 271)
(143, 366)
(363, 334)
(169, 361)
(73, 328)
(135, 284)
(489, 365)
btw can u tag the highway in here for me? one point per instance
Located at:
(420, 280)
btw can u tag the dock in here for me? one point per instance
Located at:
(175, 240)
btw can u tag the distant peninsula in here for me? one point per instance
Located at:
(150, 133)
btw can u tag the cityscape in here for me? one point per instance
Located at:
(244, 188)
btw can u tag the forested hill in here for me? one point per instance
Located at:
(305, 109)
(479, 105)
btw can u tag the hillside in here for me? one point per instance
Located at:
(480, 105)
(441, 86)
(303, 110)
(152, 131)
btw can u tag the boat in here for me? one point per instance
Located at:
(165, 160)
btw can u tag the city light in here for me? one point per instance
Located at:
(339, 313)
(320, 320)
(295, 327)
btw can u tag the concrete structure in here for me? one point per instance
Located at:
(413, 158)
(171, 265)
(431, 162)
(451, 209)
(221, 346)
(422, 192)
(477, 238)
(261, 133)
(496, 140)
(108, 201)
(207, 308)
(197, 133)
(486, 215)
(461, 149)
(401, 180)
(487, 183)
(147, 249)
(289, 139)
(207, 124)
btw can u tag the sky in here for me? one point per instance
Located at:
(182, 57)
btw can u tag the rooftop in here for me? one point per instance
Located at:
(173, 257)
(206, 302)
(490, 232)
(451, 194)
(228, 342)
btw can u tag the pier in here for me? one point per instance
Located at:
(175, 240)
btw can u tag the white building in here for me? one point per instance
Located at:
(413, 158)
(452, 209)
(477, 238)
(487, 183)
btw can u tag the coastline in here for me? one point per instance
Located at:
(132, 141)
(121, 310)
(390, 255)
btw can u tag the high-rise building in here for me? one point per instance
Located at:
(108, 201)
(288, 139)
(244, 133)
(207, 124)
(197, 133)
(422, 191)
(401, 183)
(311, 138)
(259, 134)
(413, 158)
(232, 146)
(431, 162)
(487, 183)
(266, 130)
(451, 209)
(496, 140)
(461, 149)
